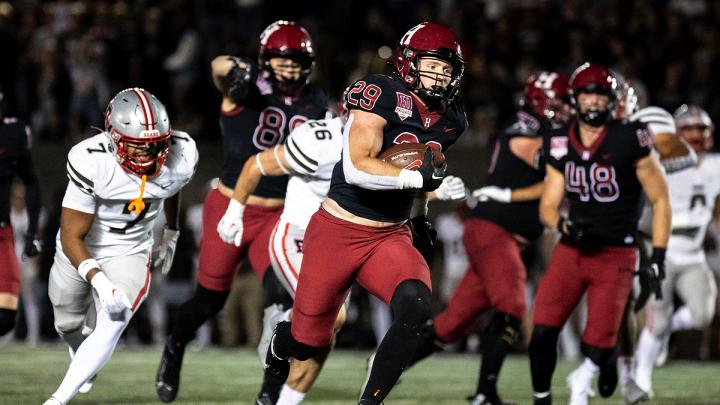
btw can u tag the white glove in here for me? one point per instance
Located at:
(451, 188)
(498, 194)
(167, 250)
(112, 300)
(230, 226)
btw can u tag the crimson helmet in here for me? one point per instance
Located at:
(136, 118)
(286, 39)
(694, 116)
(429, 40)
(591, 78)
(546, 93)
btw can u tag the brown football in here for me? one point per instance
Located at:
(409, 156)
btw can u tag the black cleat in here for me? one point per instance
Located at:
(167, 380)
(547, 400)
(486, 399)
(276, 369)
(265, 398)
(608, 380)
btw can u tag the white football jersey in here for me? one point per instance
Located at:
(312, 149)
(99, 185)
(692, 198)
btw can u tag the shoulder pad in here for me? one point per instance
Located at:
(657, 120)
(183, 153)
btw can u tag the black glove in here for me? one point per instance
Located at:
(651, 276)
(424, 236)
(33, 246)
(574, 229)
(237, 82)
(432, 176)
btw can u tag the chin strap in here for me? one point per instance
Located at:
(137, 205)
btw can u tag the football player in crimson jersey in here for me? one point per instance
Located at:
(120, 181)
(15, 159)
(360, 232)
(257, 112)
(508, 210)
(602, 166)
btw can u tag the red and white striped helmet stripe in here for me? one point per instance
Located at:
(147, 108)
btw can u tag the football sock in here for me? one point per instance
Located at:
(543, 356)
(682, 319)
(289, 396)
(624, 365)
(7, 320)
(411, 309)
(500, 335)
(203, 305)
(588, 369)
(647, 351)
(92, 354)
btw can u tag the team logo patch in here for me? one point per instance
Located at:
(558, 146)
(404, 106)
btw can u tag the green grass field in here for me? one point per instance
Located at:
(215, 376)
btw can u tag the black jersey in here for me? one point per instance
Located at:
(509, 171)
(15, 159)
(408, 120)
(262, 121)
(600, 181)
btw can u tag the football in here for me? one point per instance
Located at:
(409, 156)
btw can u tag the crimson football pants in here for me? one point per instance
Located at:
(606, 273)
(338, 252)
(494, 279)
(9, 267)
(219, 260)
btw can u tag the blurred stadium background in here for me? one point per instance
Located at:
(62, 60)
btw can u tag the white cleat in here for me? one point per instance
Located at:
(663, 354)
(580, 385)
(271, 316)
(52, 401)
(633, 394)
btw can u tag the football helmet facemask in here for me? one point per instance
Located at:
(593, 79)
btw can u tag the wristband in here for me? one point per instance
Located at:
(86, 266)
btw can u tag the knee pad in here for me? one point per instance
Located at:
(506, 326)
(411, 304)
(544, 338)
(599, 355)
(7, 320)
(208, 301)
(274, 291)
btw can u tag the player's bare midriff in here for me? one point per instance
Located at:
(334, 209)
(252, 200)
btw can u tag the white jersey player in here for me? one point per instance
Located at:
(308, 156)
(119, 180)
(694, 195)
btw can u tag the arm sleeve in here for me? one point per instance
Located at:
(302, 150)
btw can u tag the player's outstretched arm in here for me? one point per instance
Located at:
(552, 197)
(271, 162)
(651, 177)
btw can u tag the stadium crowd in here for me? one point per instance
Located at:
(67, 58)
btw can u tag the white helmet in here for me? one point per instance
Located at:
(694, 116)
(136, 118)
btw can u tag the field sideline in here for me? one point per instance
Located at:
(216, 376)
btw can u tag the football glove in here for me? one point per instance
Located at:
(33, 246)
(651, 276)
(237, 82)
(230, 227)
(424, 236)
(112, 299)
(166, 251)
(432, 176)
(451, 188)
(493, 193)
(575, 230)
